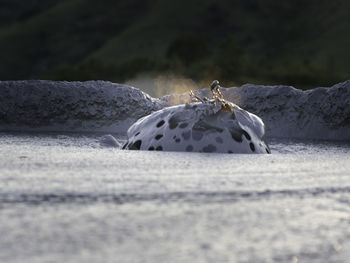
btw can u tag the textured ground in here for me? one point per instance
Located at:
(63, 198)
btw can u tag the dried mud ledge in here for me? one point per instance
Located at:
(101, 106)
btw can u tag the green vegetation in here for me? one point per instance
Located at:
(295, 42)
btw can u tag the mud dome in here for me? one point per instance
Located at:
(213, 126)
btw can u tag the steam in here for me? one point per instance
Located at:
(177, 88)
(160, 85)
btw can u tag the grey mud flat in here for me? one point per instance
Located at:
(64, 198)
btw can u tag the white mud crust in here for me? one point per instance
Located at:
(212, 126)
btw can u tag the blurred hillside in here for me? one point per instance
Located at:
(296, 42)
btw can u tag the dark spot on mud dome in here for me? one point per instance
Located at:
(246, 134)
(230, 151)
(197, 136)
(136, 145)
(209, 149)
(189, 148)
(137, 134)
(203, 126)
(173, 122)
(219, 140)
(186, 135)
(252, 147)
(159, 136)
(161, 123)
(183, 125)
(233, 115)
(236, 135)
(151, 148)
(268, 150)
(177, 140)
(159, 148)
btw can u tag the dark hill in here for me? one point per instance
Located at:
(295, 42)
